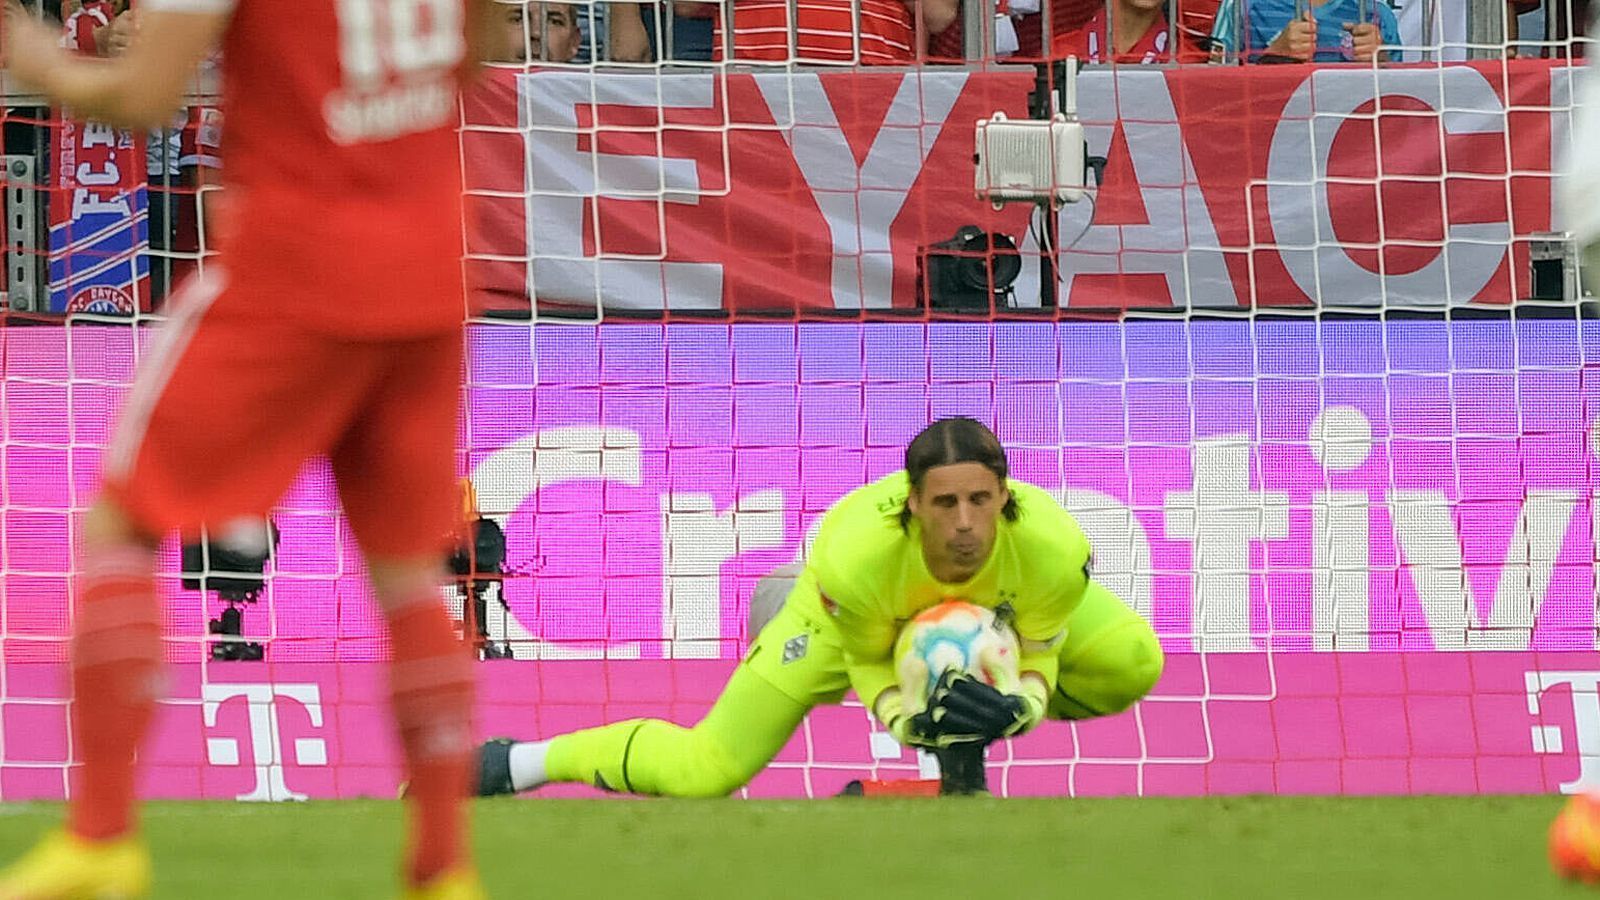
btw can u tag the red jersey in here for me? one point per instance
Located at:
(201, 141)
(824, 31)
(1088, 43)
(344, 178)
(200, 147)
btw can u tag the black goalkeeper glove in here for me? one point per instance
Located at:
(964, 710)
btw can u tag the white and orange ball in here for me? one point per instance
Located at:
(954, 635)
(1575, 839)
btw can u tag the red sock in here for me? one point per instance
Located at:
(116, 673)
(431, 685)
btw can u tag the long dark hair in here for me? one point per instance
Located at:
(950, 441)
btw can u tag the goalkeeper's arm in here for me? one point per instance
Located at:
(869, 642)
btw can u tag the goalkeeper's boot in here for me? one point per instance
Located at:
(460, 883)
(494, 768)
(64, 866)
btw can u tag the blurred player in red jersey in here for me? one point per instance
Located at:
(330, 323)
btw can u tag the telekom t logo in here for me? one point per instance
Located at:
(1585, 722)
(266, 743)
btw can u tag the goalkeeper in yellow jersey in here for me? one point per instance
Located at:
(952, 525)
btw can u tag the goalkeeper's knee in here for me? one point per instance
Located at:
(1146, 661)
(1114, 673)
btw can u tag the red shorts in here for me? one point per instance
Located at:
(230, 400)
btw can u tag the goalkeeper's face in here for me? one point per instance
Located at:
(958, 506)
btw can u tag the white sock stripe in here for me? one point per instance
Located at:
(425, 675)
(132, 562)
(102, 653)
(117, 612)
(95, 577)
(188, 307)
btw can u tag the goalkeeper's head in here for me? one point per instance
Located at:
(958, 495)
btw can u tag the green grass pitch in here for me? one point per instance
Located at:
(1101, 849)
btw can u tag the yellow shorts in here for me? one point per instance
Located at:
(800, 652)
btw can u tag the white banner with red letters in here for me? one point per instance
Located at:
(1269, 186)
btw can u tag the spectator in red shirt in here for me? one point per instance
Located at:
(824, 30)
(199, 203)
(1066, 18)
(88, 26)
(1139, 29)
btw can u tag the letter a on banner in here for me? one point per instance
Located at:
(1179, 244)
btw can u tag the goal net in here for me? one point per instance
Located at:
(1310, 364)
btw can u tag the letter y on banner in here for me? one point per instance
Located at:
(860, 203)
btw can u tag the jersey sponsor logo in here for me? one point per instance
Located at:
(1006, 610)
(795, 648)
(388, 114)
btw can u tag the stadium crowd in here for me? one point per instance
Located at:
(901, 32)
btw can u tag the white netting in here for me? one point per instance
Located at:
(708, 302)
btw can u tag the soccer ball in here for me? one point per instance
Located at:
(1575, 839)
(954, 635)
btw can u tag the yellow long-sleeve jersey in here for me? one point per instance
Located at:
(872, 579)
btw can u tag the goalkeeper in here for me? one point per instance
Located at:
(951, 525)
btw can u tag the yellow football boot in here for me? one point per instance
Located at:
(66, 867)
(460, 883)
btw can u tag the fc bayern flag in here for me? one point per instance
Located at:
(99, 221)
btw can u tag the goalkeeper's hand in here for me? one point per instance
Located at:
(964, 710)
